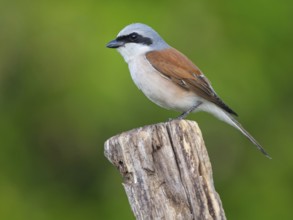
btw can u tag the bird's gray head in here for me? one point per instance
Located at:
(136, 39)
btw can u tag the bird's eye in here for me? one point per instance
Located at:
(133, 36)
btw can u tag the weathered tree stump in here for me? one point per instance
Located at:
(166, 171)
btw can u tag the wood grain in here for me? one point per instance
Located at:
(166, 171)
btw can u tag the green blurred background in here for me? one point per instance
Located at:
(63, 93)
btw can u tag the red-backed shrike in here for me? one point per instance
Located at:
(168, 78)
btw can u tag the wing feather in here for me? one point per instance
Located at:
(178, 68)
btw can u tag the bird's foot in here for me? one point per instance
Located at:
(184, 114)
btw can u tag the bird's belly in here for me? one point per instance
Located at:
(160, 89)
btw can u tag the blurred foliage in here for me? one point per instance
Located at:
(63, 93)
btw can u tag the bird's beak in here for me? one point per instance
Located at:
(115, 44)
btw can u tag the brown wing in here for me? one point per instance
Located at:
(178, 68)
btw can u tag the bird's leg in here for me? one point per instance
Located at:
(184, 114)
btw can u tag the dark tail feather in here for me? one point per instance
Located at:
(237, 125)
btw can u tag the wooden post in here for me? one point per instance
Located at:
(166, 172)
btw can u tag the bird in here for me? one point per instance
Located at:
(169, 78)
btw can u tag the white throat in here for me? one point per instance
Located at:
(130, 51)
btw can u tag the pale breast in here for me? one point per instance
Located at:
(159, 88)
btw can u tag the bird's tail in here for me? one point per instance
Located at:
(226, 117)
(237, 125)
